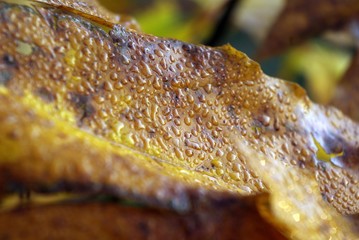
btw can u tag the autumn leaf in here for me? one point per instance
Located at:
(166, 123)
(225, 222)
(303, 19)
(346, 97)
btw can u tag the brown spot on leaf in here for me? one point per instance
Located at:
(45, 94)
(84, 104)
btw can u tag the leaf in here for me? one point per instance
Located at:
(303, 19)
(346, 96)
(296, 201)
(113, 221)
(166, 123)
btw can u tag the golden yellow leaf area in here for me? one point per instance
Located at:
(167, 123)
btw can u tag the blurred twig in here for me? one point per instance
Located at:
(222, 23)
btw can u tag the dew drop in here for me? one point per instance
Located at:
(146, 70)
(189, 152)
(139, 125)
(265, 120)
(231, 156)
(187, 121)
(217, 163)
(178, 153)
(208, 88)
(234, 176)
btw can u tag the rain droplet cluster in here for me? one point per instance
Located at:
(187, 105)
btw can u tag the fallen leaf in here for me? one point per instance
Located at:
(69, 221)
(302, 209)
(166, 123)
(346, 97)
(303, 19)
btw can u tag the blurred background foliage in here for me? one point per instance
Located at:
(317, 63)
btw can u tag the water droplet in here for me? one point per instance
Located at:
(231, 156)
(158, 53)
(208, 88)
(237, 167)
(293, 116)
(178, 153)
(249, 83)
(187, 120)
(146, 70)
(219, 171)
(156, 83)
(285, 148)
(190, 99)
(219, 153)
(176, 131)
(217, 163)
(234, 176)
(201, 155)
(139, 125)
(189, 152)
(192, 144)
(125, 59)
(108, 86)
(265, 120)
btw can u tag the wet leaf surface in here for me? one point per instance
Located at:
(303, 19)
(167, 123)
